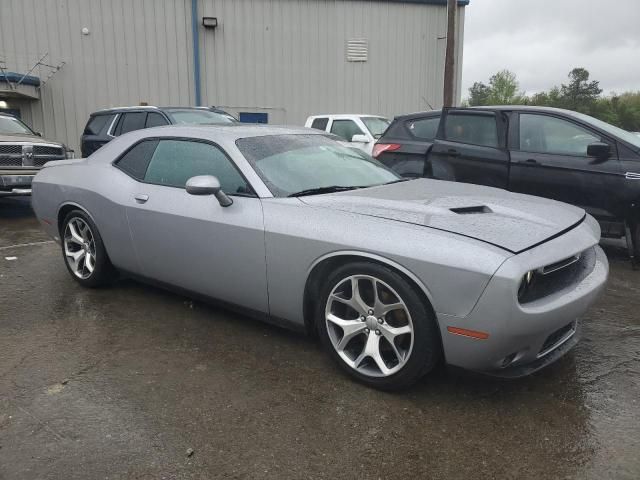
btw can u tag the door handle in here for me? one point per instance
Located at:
(141, 198)
(530, 161)
(453, 153)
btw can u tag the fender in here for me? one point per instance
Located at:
(378, 258)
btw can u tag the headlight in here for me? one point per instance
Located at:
(525, 284)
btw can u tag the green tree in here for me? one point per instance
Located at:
(479, 94)
(503, 89)
(580, 94)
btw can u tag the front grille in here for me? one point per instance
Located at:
(45, 150)
(13, 156)
(559, 276)
(10, 162)
(10, 149)
(555, 339)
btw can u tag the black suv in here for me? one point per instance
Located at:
(547, 152)
(105, 125)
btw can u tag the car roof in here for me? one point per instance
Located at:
(501, 108)
(345, 115)
(149, 108)
(229, 131)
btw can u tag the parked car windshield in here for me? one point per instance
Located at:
(198, 117)
(10, 125)
(294, 163)
(376, 125)
(610, 129)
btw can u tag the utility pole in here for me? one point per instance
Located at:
(449, 61)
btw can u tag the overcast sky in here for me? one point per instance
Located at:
(542, 40)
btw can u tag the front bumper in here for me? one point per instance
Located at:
(523, 338)
(18, 183)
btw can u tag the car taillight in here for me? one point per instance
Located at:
(379, 148)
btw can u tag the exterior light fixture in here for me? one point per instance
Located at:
(209, 22)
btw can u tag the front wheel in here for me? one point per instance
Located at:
(377, 327)
(83, 251)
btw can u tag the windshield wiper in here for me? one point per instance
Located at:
(320, 190)
(398, 181)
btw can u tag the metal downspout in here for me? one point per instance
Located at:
(196, 51)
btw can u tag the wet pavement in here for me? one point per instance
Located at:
(121, 382)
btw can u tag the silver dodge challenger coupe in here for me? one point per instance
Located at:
(288, 225)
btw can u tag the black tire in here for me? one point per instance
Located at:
(427, 345)
(103, 271)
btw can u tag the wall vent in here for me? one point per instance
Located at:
(357, 50)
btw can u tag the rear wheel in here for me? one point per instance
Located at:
(377, 327)
(83, 251)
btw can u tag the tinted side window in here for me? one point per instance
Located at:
(545, 134)
(97, 123)
(472, 128)
(424, 128)
(176, 161)
(320, 123)
(136, 160)
(132, 121)
(155, 120)
(345, 129)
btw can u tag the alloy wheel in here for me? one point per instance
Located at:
(369, 325)
(79, 248)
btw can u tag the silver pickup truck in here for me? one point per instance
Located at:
(22, 153)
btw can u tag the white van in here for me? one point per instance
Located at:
(358, 131)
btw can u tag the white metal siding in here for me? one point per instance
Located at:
(284, 57)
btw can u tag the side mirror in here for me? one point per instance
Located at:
(208, 185)
(599, 150)
(39, 134)
(359, 138)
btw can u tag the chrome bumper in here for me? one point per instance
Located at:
(15, 184)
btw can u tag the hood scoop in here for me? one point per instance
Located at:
(471, 210)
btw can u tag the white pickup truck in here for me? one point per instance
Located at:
(358, 131)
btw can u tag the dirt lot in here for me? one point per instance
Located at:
(121, 382)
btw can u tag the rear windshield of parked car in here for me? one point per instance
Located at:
(293, 163)
(198, 117)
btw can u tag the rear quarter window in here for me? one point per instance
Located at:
(97, 123)
(136, 160)
(423, 128)
(320, 123)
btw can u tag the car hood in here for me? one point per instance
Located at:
(508, 220)
(14, 138)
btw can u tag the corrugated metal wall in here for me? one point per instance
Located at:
(288, 56)
(284, 57)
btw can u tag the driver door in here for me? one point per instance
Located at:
(549, 159)
(191, 241)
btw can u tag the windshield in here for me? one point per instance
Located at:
(294, 163)
(12, 125)
(198, 117)
(612, 130)
(376, 125)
